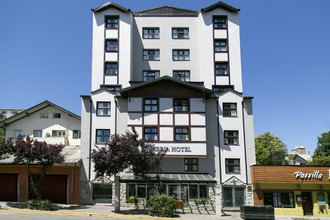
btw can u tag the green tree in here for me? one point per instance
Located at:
(262, 155)
(276, 148)
(322, 152)
(2, 130)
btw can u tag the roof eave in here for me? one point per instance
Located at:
(220, 5)
(111, 5)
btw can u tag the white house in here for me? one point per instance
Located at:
(174, 75)
(45, 122)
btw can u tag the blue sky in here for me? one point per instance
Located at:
(45, 54)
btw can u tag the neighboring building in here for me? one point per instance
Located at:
(174, 75)
(299, 156)
(9, 112)
(292, 190)
(55, 125)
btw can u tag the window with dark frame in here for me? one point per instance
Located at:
(182, 75)
(181, 105)
(76, 134)
(150, 75)
(229, 109)
(191, 164)
(102, 136)
(181, 55)
(180, 33)
(217, 89)
(150, 105)
(220, 22)
(37, 133)
(232, 165)
(150, 133)
(279, 199)
(111, 68)
(181, 134)
(151, 55)
(221, 68)
(111, 22)
(57, 115)
(150, 33)
(103, 109)
(111, 45)
(231, 137)
(220, 46)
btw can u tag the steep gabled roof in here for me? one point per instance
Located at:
(220, 5)
(166, 11)
(111, 5)
(33, 110)
(166, 87)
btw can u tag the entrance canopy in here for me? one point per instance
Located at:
(171, 177)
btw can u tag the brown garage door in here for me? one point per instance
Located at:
(52, 187)
(8, 183)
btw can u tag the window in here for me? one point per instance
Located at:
(102, 193)
(233, 197)
(191, 164)
(231, 137)
(182, 75)
(58, 133)
(181, 134)
(180, 33)
(111, 69)
(217, 89)
(113, 88)
(17, 133)
(111, 22)
(151, 55)
(151, 33)
(220, 22)
(150, 75)
(102, 136)
(103, 109)
(181, 55)
(150, 105)
(233, 166)
(76, 134)
(229, 109)
(57, 115)
(13, 112)
(181, 105)
(4, 112)
(280, 200)
(150, 133)
(221, 69)
(111, 45)
(220, 46)
(44, 115)
(37, 133)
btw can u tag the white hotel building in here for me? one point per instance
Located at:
(175, 75)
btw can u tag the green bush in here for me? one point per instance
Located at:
(161, 205)
(40, 204)
(132, 199)
(202, 201)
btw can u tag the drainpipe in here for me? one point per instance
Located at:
(246, 169)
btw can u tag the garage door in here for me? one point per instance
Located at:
(8, 183)
(52, 187)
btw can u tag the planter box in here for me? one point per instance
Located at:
(257, 212)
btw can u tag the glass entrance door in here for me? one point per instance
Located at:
(184, 195)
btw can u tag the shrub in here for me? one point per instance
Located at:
(202, 201)
(161, 205)
(40, 204)
(134, 200)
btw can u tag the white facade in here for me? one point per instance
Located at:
(45, 122)
(175, 79)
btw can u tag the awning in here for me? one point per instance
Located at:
(171, 177)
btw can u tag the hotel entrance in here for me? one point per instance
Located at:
(307, 203)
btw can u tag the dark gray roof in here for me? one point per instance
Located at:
(110, 5)
(220, 5)
(167, 11)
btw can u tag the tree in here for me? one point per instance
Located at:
(32, 154)
(262, 155)
(126, 152)
(322, 152)
(2, 130)
(276, 148)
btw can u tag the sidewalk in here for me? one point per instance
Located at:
(131, 213)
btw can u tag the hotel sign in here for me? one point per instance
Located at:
(182, 149)
(309, 176)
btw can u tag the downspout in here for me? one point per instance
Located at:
(90, 140)
(218, 125)
(116, 107)
(246, 171)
